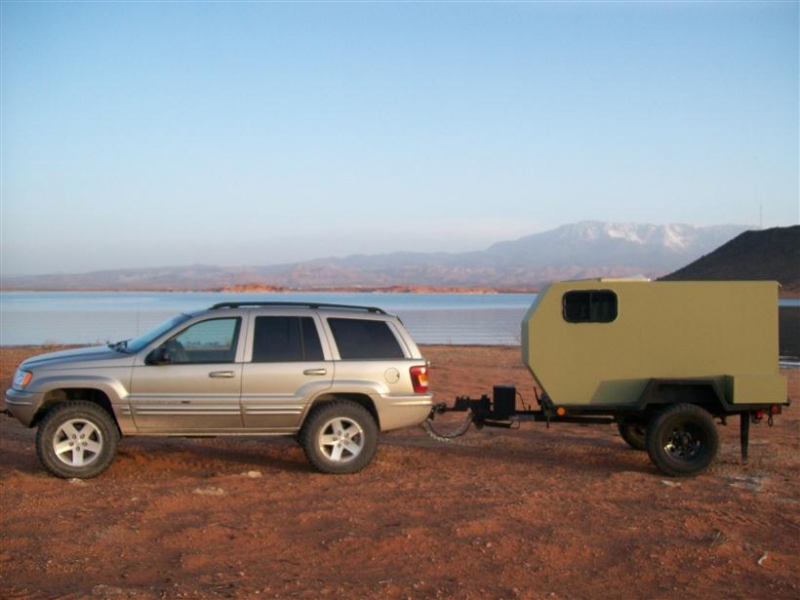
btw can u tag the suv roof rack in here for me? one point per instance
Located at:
(314, 305)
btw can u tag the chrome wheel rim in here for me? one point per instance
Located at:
(341, 440)
(78, 443)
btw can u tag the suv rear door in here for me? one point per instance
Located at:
(370, 354)
(285, 367)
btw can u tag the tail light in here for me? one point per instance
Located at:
(419, 379)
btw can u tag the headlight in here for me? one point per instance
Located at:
(21, 379)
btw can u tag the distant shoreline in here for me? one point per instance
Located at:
(276, 289)
(392, 289)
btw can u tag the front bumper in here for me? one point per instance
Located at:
(23, 405)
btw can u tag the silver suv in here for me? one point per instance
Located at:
(331, 375)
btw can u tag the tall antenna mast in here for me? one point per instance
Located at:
(760, 215)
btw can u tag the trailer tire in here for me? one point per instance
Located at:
(682, 440)
(634, 432)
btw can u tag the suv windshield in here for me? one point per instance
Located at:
(143, 340)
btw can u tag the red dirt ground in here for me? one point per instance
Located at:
(564, 512)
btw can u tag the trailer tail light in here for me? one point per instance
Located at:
(759, 414)
(419, 379)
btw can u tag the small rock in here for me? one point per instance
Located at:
(210, 491)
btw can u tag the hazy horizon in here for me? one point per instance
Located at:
(140, 135)
(575, 227)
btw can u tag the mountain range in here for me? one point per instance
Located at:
(585, 249)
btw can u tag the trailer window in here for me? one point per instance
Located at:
(590, 306)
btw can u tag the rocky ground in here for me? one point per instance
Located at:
(559, 512)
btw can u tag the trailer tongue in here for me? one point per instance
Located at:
(662, 360)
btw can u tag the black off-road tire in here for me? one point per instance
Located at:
(339, 437)
(77, 440)
(682, 440)
(634, 432)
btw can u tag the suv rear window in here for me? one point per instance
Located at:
(286, 339)
(590, 306)
(363, 338)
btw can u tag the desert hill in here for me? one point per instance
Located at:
(753, 255)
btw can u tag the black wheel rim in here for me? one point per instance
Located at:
(687, 443)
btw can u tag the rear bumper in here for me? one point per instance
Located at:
(396, 412)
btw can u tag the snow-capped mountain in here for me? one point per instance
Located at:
(594, 244)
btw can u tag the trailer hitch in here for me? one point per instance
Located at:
(439, 433)
(498, 411)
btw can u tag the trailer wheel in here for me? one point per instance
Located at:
(634, 432)
(682, 440)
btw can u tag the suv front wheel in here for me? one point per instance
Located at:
(339, 437)
(77, 439)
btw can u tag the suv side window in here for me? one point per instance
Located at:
(364, 339)
(212, 341)
(590, 306)
(286, 339)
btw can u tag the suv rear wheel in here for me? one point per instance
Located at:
(339, 437)
(77, 439)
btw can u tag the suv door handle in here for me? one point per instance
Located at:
(315, 372)
(221, 374)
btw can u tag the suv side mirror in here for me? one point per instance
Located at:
(159, 356)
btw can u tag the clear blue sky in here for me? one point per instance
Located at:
(140, 134)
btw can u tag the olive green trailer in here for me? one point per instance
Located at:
(662, 360)
(602, 342)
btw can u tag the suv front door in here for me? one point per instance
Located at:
(191, 382)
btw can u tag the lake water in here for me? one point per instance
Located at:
(36, 318)
(39, 318)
